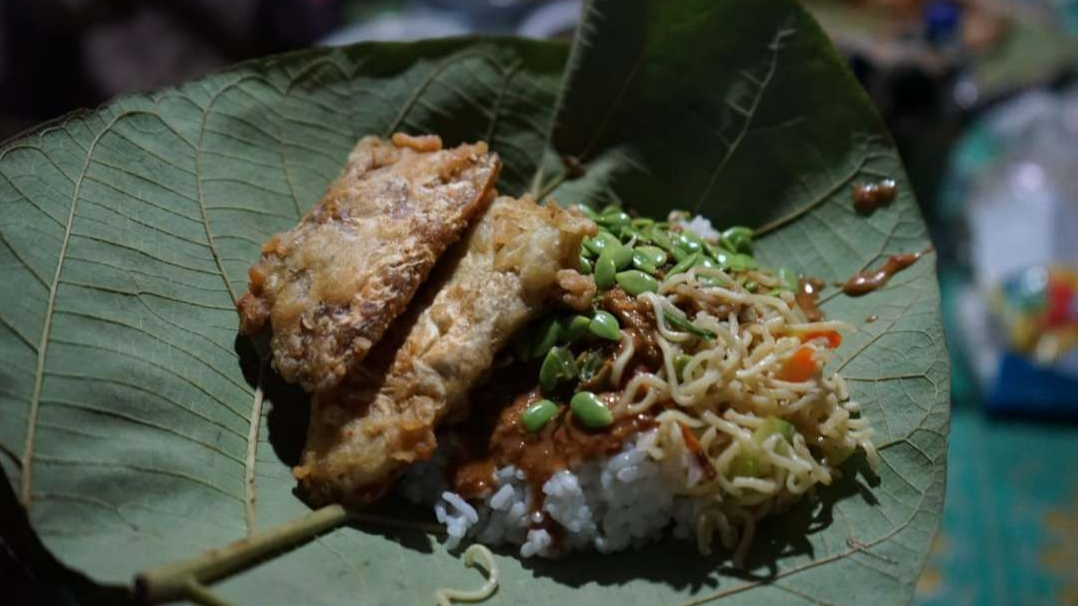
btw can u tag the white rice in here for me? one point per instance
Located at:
(605, 504)
(701, 227)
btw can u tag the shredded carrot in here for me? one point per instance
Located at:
(834, 339)
(697, 450)
(800, 367)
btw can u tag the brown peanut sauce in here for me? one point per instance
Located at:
(867, 197)
(807, 297)
(864, 282)
(636, 319)
(562, 444)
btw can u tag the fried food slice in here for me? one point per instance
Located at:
(330, 287)
(365, 433)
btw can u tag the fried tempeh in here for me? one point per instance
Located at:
(365, 433)
(330, 287)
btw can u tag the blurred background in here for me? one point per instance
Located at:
(982, 98)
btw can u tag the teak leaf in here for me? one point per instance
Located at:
(136, 436)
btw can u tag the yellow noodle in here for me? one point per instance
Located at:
(625, 354)
(446, 596)
(728, 389)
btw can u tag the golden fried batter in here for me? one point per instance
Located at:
(365, 433)
(330, 287)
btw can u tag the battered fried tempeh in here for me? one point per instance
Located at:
(331, 286)
(363, 434)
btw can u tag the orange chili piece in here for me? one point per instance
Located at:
(834, 339)
(800, 367)
(697, 450)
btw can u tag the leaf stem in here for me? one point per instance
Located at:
(185, 579)
(197, 593)
(550, 187)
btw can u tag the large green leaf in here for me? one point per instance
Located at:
(126, 233)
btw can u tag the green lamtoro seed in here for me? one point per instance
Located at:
(605, 326)
(742, 262)
(705, 261)
(605, 271)
(690, 241)
(588, 211)
(545, 337)
(661, 238)
(722, 257)
(600, 241)
(558, 365)
(629, 234)
(649, 255)
(636, 282)
(614, 221)
(642, 223)
(622, 256)
(684, 264)
(536, 416)
(641, 263)
(573, 328)
(789, 278)
(739, 239)
(680, 362)
(679, 253)
(585, 265)
(590, 410)
(610, 209)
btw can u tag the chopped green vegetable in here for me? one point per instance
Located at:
(590, 363)
(636, 282)
(749, 464)
(536, 416)
(684, 264)
(605, 270)
(590, 410)
(545, 337)
(680, 362)
(559, 365)
(684, 325)
(605, 326)
(573, 328)
(772, 426)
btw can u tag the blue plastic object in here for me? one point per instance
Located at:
(941, 22)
